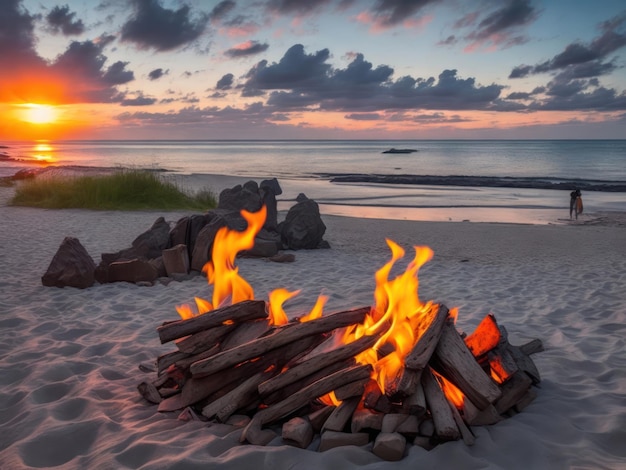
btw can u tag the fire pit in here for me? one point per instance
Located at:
(395, 373)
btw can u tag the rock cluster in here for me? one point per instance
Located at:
(181, 249)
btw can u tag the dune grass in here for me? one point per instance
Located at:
(120, 190)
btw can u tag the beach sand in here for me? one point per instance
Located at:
(69, 357)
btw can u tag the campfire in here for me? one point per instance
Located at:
(395, 373)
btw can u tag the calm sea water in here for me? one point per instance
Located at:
(299, 165)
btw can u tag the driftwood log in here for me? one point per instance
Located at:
(230, 361)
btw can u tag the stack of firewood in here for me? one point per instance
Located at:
(231, 366)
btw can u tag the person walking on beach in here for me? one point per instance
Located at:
(575, 203)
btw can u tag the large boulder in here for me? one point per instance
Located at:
(241, 197)
(268, 190)
(71, 266)
(186, 230)
(303, 227)
(150, 243)
(136, 270)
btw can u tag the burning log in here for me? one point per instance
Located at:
(241, 311)
(445, 425)
(341, 415)
(308, 393)
(460, 367)
(240, 396)
(202, 340)
(401, 370)
(425, 346)
(316, 363)
(280, 337)
(281, 394)
(198, 388)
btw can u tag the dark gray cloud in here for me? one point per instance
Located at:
(296, 7)
(157, 73)
(138, 101)
(17, 37)
(580, 60)
(247, 49)
(580, 96)
(225, 83)
(221, 10)
(301, 80)
(364, 117)
(154, 27)
(510, 15)
(62, 19)
(295, 69)
(393, 12)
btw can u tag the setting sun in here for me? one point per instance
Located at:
(39, 113)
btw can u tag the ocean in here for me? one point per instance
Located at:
(520, 181)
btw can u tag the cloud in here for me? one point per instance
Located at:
(364, 116)
(221, 10)
(295, 7)
(157, 73)
(389, 13)
(225, 83)
(138, 101)
(246, 49)
(498, 27)
(295, 69)
(580, 60)
(155, 27)
(306, 81)
(61, 19)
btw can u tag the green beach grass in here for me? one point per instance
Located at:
(120, 190)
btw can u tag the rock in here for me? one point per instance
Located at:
(204, 241)
(176, 260)
(269, 189)
(135, 270)
(303, 227)
(389, 446)
(241, 197)
(283, 258)
(186, 231)
(332, 439)
(261, 249)
(150, 243)
(71, 266)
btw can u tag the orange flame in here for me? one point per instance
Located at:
(276, 299)
(397, 310)
(229, 287)
(221, 271)
(317, 310)
(452, 392)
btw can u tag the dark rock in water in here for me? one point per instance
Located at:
(71, 266)
(394, 150)
(303, 227)
(150, 243)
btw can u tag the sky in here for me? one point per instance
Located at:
(312, 69)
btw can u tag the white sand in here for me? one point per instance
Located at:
(69, 357)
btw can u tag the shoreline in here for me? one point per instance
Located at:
(378, 202)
